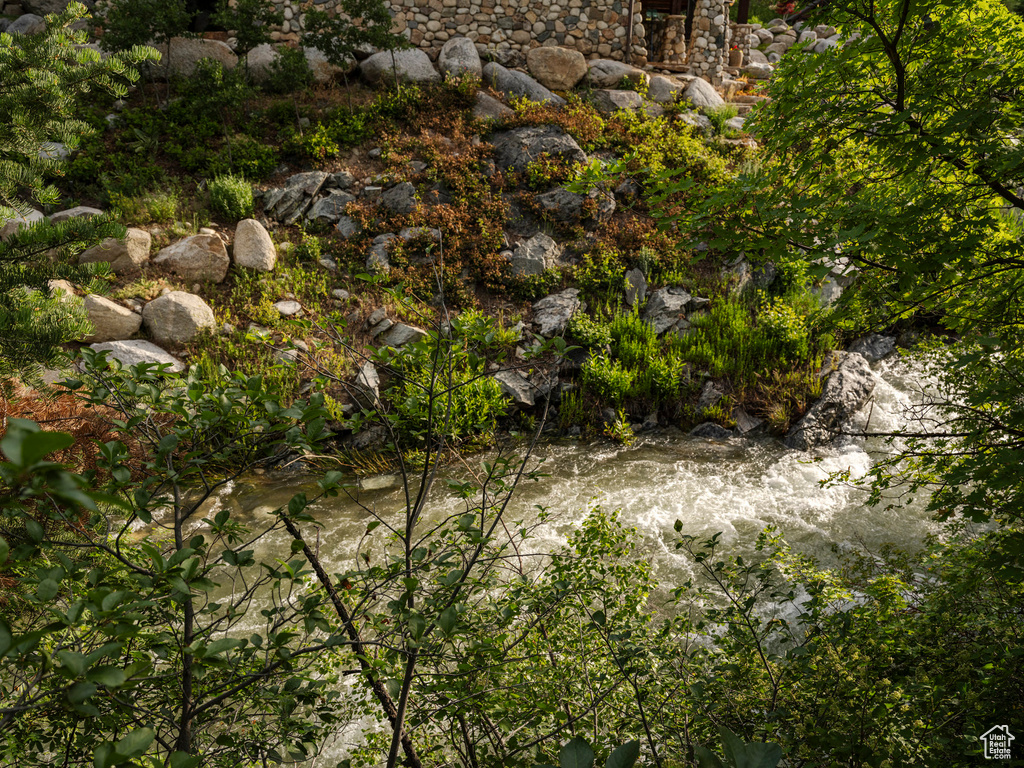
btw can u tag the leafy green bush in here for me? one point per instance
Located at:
(607, 378)
(589, 333)
(231, 198)
(720, 116)
(289, 72)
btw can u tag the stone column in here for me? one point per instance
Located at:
(668, 40)
(709, 44)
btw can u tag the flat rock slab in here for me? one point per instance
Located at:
(513, 83)
(552, 313)
(409, 66)
(519, 147)
(125, 257)
(129, 353)
(200, 257)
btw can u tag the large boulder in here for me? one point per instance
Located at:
(874, 347)
(459, 57)
(609, 102)
(323, 70)
(253, 248)
(289, 203)
(27, 24)
(78, 212)
(260, 61)
(573, 208)
(552, 313)
(517, 388)
(126, 256)
(409, 66)
(558, 69)
(10, 226)
(703, 95)
(513, 83)
(664, 90)
(200, 257)
(535, 255)
(850, 382)
(46, 7)
(110, 321)
(517, 148)
(489, 108)
(185, 53)
(176, 317)
(129, 353)
(605, 73)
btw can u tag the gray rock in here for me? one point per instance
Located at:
(489, 108)
(323, 70)
(27, 24)
(187, 52)
(534, 256)
(341, 294)
(757, 57)
(381, 327)
(507, 57)
(664, 90)
(331, 208)
(711, 431)
(608, 101)
(764, 36)
(368, 383)
(10, 226)
(402, 334)
(347, 227)
(340, 180)
(253, 248)
(710, 395)
(573, 208)
(558, 69)
(46, 7)
(110, 321)
(418, 233)
(516, 388)
(513, 83)
(129, 353)
(200, 257)
(846, 390)
(125, 257)
(78, 212)
(287, 204)
(177, 317)
(874, 347)
(666, 307)
(378, 261)
(703, 95)
(409, 66)
(701, 122)
(605, 73)
(735, 124)
(260, 61)
(288, 308)
(807, 35)
(519, 147)
(552, 313)
(376, 316)
(636, 287)
(53, 150)
(400, 199)
(745, 423)
(823, 45)
(459, 57)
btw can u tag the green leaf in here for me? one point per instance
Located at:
(136, 743)
(5, 637)
(34, 530)
(75, 663)
(47, 589)
(111, 677)
(624, 756)
(706, 758)
(184, 760)
(576, 754)
(448, 619)
(4, 549)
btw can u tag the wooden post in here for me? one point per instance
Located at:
(743, 12)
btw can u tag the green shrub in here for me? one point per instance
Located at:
(231, 198)
(309, 250)
(289, 72)
(608, 379)
(589, 333)
(251, 159)
(148, 208)
(720, 116)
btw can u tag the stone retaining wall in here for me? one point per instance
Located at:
(595, 28)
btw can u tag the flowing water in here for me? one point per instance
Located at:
(736, 487)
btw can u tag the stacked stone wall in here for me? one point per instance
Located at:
(595, 28)
(709, 40)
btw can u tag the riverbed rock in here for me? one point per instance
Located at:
(287, 204)
(129, 353)
(608, 101)
(519, 147)
(513, 83)
(745, 423)
(567, 207)
(489, 108)
(552, 313)
(200, 257)
(605, 73)
(846, 390)
(710, 394)
(666, 307)
(703, 95)
(874, 347)
(458, 56)
(558, 69)
(253, 248)
(176, 317)
(110, 321)
(534, 256)
(126, 256)
(410, 66)
(711, 431)
(516, 388)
